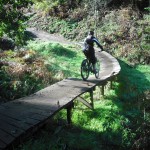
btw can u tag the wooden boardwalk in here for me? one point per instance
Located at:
(21, 117)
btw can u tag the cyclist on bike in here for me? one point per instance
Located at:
(88, 49)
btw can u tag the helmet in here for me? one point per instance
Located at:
(91, 32)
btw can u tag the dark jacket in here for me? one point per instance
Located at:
(89, 43)
(89, 48)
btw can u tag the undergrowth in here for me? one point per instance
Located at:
(38, 65)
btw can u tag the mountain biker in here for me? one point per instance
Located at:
(88, 49)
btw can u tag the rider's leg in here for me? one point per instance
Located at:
(94, 64)
(94, 67)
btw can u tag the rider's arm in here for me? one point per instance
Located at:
(85, 46)
(98, 44)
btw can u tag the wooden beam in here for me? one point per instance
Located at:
(82, 100)
(102, 90)
(111, 87)
(91, 98)
(69, 114)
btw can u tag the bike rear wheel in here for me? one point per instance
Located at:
(84, 69)
(97, 67)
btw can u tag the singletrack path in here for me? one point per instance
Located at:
(22, 117)
(44, 36)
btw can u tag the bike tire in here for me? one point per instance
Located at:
(97, 66)
(85, 69)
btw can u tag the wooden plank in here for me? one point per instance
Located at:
(2, 145)
(5, 137)
(29, 121)
(22, 119)
(91, 98)
(10, 129)
(21, 114)
(35, 116)
(28, 118)
(21, 106)
(14, 122)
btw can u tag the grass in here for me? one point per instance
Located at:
(62, 60)
(37, 66)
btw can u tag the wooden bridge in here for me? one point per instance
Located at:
(22, 117)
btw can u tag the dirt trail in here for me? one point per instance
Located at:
(44, 36)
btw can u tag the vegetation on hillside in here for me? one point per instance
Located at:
(123, 31)
(38, 65)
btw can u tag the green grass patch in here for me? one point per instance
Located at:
(63, 60)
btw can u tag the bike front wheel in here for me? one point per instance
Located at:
(84, 69)
(97, 67)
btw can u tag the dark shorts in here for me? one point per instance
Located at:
(90, 55)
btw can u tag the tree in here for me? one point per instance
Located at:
(12, 18)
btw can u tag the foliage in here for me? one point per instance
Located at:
(123, 32)
(69, 28)
(22, 73)
(133, 90)
(59, 8)
(25, 72)
(126, 35)
(12, 18)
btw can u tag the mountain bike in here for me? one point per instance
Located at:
(87, 68)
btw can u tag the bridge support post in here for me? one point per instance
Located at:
(102, 87)
(111, 81)
(111, 86)
(102, 90)
(91, 98)
(69, 108)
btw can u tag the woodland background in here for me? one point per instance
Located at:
(121, 118)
